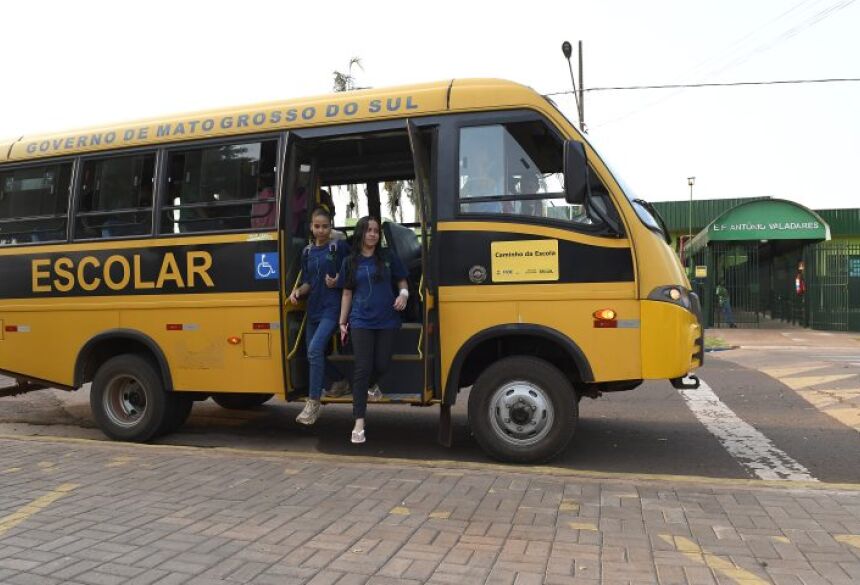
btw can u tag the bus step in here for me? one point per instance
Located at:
(412, 397)
(397, 357)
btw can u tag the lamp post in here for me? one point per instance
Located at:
(690, 181)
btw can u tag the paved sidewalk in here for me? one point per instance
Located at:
(87, 512)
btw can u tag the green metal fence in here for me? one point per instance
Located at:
(832, 299)
(731, 291)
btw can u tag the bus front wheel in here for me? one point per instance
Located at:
(128, 399)
(523, 410)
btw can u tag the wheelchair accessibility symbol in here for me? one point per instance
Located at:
(266, 266)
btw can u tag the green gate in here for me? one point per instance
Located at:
(833, 286)
(734, 266)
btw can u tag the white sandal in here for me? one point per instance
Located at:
(358, 436)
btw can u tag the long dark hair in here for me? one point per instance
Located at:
(355, 252)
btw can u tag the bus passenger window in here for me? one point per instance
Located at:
(517, 169)
(229, 187)
(33, 204)
(115, 198)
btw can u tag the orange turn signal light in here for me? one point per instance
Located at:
(604, 314)
(234, 340)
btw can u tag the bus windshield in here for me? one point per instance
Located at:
(644, 210)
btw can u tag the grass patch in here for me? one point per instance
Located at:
(712, 342)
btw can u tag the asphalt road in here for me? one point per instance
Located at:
(650, 430)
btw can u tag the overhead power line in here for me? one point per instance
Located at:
(727, 84)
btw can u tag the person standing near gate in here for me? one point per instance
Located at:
(800, 281)
(725, 304)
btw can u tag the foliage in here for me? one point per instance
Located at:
(346, 82)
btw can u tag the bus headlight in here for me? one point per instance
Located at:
(674, 294)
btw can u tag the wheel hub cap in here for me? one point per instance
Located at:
(521, 413)
(125, 401)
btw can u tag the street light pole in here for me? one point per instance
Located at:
(690, 182)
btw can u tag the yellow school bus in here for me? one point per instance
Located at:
(154, 260)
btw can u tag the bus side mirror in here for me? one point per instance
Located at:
(575, 173)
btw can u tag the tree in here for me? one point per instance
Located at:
(412, 195)
(346, 82)
(394, 190)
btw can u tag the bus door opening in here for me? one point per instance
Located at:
(358, 175)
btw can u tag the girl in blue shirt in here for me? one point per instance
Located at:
(369, 308)
(320, 263)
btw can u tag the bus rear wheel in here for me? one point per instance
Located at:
(523, 410)
(241, 401)
(128, 399)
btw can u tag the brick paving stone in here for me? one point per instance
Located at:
(99, 578)
(29, 579)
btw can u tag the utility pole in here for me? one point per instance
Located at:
(690, 181)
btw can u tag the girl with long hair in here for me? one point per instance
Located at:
(369, 312)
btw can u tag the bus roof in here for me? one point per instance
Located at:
(336, 108)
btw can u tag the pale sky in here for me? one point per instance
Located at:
(82, 63)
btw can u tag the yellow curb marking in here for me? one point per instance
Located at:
(581, 526)
(693, 552)
(120, 461)
(807, 381)
(289, 471)
(449, 473)
(852, 539)
(400, 511)
(847, 415)
(569, 506)
(838, 404)
(12, 470)
(782, 539)
(37, 505)
(793, 371)
(440, 515)
(46, 464)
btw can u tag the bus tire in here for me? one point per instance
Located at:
(523, 410)
(241, 401)
(128, 400)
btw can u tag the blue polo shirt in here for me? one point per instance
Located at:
(372, 297)
(317, 262)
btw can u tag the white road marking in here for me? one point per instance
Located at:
(748, 446)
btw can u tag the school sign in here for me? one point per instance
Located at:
(768, 220)
(764, 220)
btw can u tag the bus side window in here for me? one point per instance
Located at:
(517, 169)
(34, 204)
(115, 197)
(226, 187)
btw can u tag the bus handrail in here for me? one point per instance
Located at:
(302, 326)
(421, 331)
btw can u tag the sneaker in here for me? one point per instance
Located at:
(309, 413)
(374, 393)
(357, 436)
(338, 389)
